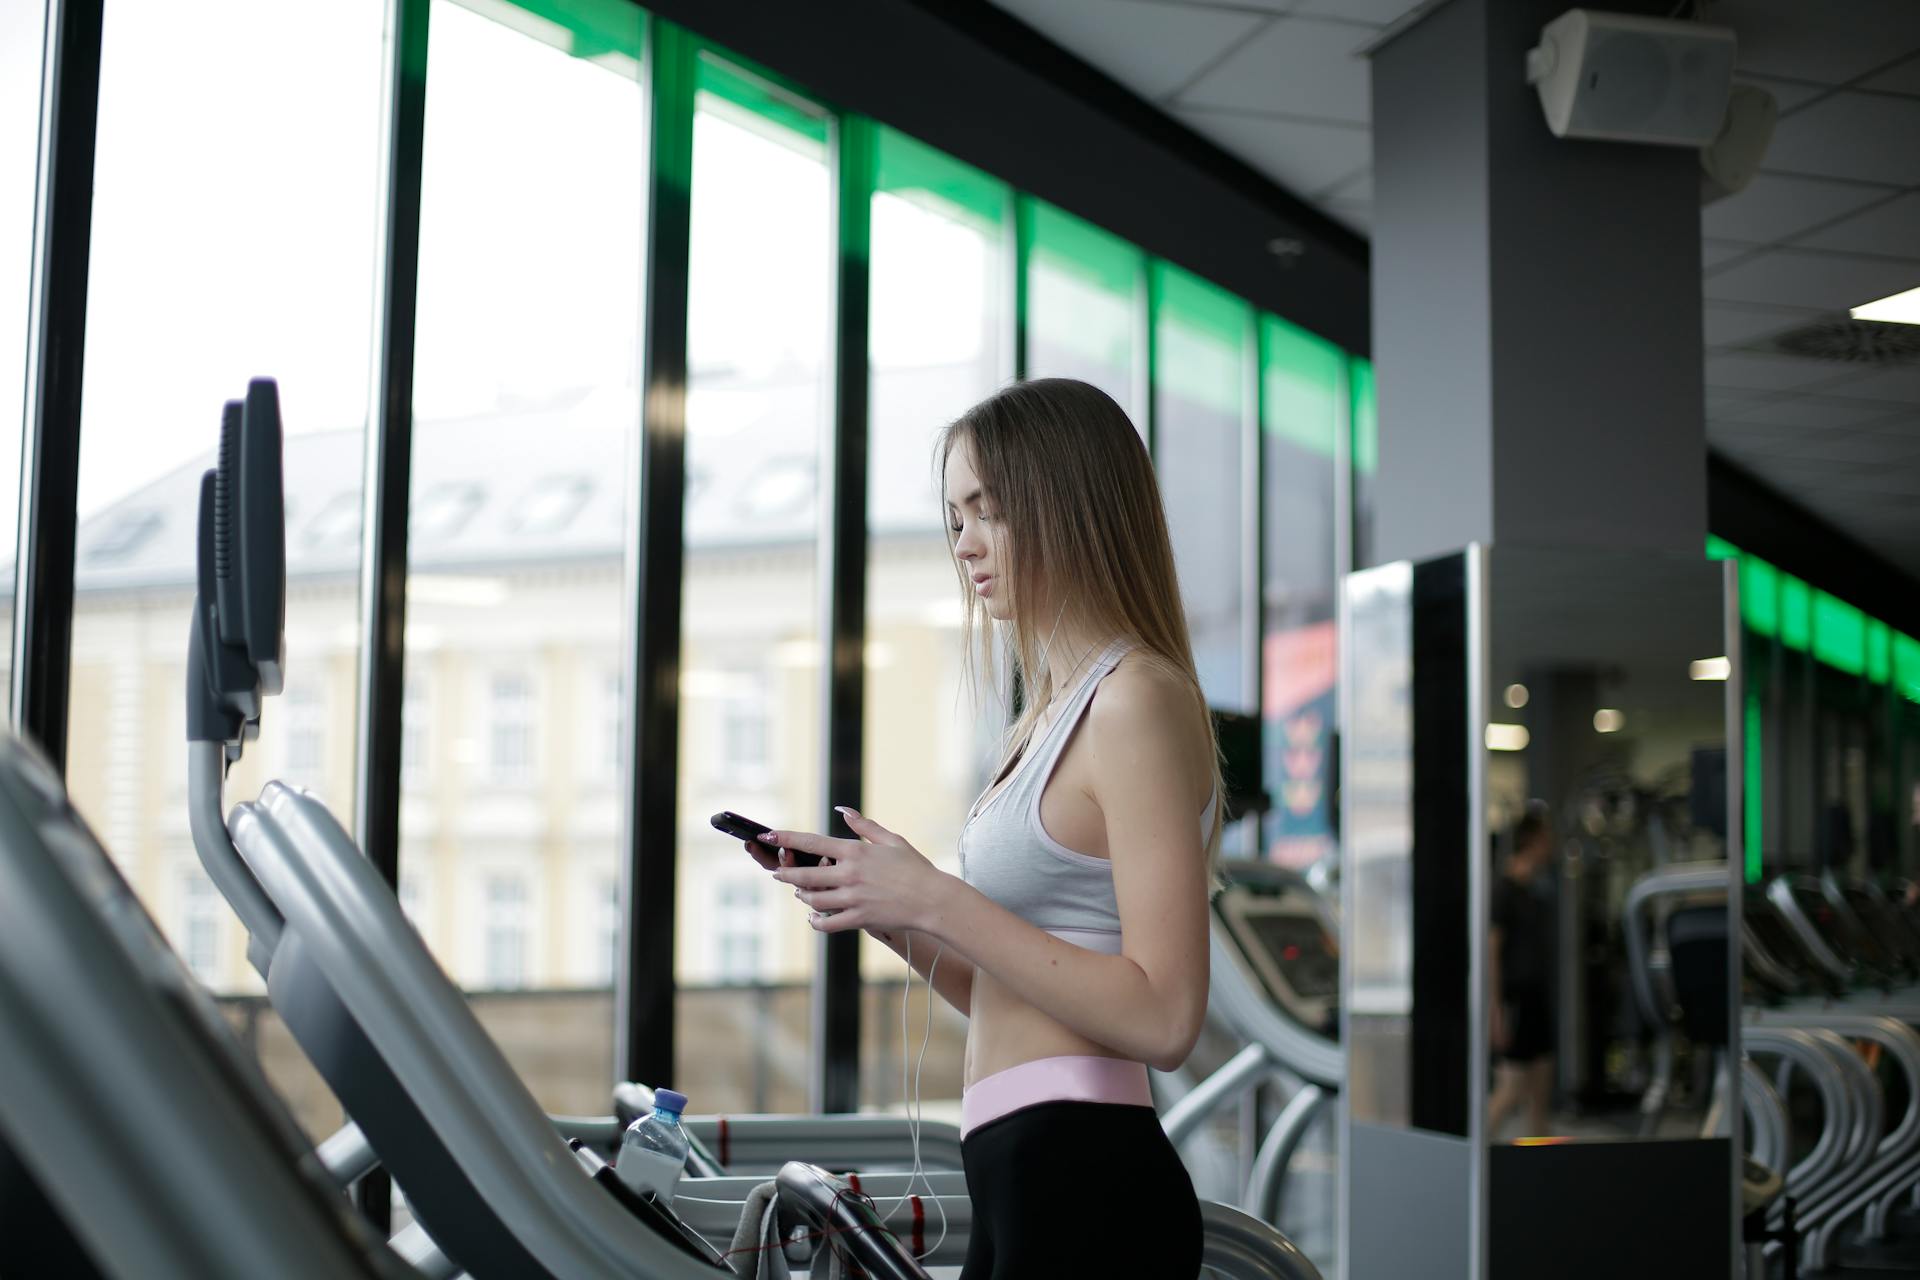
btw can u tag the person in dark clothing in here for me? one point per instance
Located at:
(1520, 981)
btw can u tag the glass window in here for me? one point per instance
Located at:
(607, 913)
(504, 945)
(759, 331)
(526, 411)
(1086, 305)
(201, 911)
(216, 154)
(745, 729)
(304, 717)
(941, 340)
(609, 708)
(416, 714)
(738, 909)
(1302, 408)
(510, 729)
(1202, 341)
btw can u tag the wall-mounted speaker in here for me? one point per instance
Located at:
(1624, 78)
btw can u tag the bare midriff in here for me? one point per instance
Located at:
(1004, 1031)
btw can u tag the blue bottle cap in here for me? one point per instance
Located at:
(668, 1100)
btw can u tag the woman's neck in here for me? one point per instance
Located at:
(1073, 646)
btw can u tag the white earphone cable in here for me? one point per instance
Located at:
(915, 1107)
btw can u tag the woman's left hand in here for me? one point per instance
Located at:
(876, 882)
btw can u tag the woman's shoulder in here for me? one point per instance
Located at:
(1142, 693)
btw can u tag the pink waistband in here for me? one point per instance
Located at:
(1071, 1079)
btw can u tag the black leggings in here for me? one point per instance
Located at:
(1079, 1188)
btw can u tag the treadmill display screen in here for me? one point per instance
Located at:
(1301, 951)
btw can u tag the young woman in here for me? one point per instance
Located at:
(1075, 936)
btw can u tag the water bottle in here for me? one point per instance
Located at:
(653, 1151)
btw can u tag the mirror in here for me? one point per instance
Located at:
(1606, 804)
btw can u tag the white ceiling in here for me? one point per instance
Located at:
(1832, 221)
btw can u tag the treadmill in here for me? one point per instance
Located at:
(133, 1121)
(485, 1172)
(1274, 952)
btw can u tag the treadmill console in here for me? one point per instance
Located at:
(1286, 939)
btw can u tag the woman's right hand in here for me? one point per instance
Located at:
(769, 859)
(773, 860)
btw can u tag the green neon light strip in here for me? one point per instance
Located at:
(610, 32)
(762, 100)
(1199, 340)
(1906, 666)
(1759, 596)
(1839, 634)
(1301, 382)
(909, 168)
(1879, 651)
(1076, 247)
(1796, 613)
(1751, 795)
(1721, 549)
(1366, 417)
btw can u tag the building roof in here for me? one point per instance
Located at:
(547, 484)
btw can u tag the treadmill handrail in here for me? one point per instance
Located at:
(349, 922)
(1234, 995)
(170, 1169)
(1780, 894)
(846, 1221)
(1686, 878)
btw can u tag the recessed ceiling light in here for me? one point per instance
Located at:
(1608, 720)
(1516, 696)
(1709, 669)
(1507, 737)
(1900, 308)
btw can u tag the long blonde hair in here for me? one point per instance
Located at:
(1074, 490)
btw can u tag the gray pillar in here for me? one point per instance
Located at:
(1536, 307)
(1538, 359)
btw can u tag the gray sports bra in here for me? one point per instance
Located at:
(1006, 853)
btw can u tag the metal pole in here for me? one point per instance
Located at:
(385, 484)
(834, 1077)
(56, 352)
(644, 985)
(389, 445)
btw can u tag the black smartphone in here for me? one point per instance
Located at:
(747, 829)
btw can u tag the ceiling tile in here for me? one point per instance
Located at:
(1831, 43)
(1850, 447)
(1904, 78)
(1730, 402)
(1906, 427)
(1715, 252)
(1725, 326)
(1294, 67)
(1151, 48)
(1301, 157)
(1891, 228)
(1380, 13)
(1764, 373)
(1901, 383)
(1813, 413)
(1357, 214)
(1354, 187)
(1775, 206)
(1804, 278)
(1266, 6)
(1866, 136)
(1788, 95)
